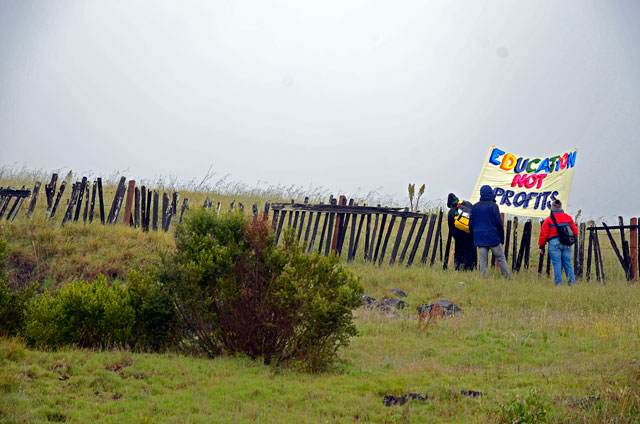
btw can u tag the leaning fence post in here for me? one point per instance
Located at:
(86, 204)
(72, 202)
(50, 191)
(396, 245)
(57, 202)
(185, 204)
(445, 263)
(83, 184)
(100, 200)
(386, 239)
(438, 239)
(34, 198)
(633, 244)
(622, 260)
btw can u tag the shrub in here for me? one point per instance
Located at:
(93, 314)
(13, 301)
(530, 409)
(155, 316)
(237, 292)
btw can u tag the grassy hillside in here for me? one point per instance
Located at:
(578, 347)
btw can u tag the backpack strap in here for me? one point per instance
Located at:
(553, 218)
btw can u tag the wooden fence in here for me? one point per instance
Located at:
(372, 234)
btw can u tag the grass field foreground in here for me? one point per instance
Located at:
(578, 347)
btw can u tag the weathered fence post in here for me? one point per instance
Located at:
(86, 203)
(514, 257)
(117, 202)
(408, 240)
(633, 243)
(416, 243)
(136, 209)
(185, 204)
(354, 250)
(165, 207)
(445, 263)
(83, 185)
(94, 188)
(386, 239)
(582, 232)
(622, 260)
(72, 202)
(507, 239)
(57, 202)
(154, 223)
(129, 203)
(396, 245)
(589, 251)
(267, 206)
(438, 239)
(50, 191)
(427, 244)
(143, 209)
(34, 198)
(625, 248)
(101, 200)
(383, 223)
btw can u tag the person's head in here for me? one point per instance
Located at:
(486, 193)
(556, 205)
(452, 200)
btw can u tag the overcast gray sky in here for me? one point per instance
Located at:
(336, 93)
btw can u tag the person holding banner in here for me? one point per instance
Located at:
(465, 256)
(488, 231)
(559, 252)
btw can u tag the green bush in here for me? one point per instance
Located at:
(93, 314)
(236, 291)
(155, 316)
(13, 301)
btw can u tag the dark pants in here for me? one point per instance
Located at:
(465, 256)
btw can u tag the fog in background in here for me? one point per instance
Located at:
(348, 95)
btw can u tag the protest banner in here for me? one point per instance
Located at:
(526, 185)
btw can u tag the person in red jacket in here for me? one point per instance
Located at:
(560, 254)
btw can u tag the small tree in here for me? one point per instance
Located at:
(237, 292)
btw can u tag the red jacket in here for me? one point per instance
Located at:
(548, 230)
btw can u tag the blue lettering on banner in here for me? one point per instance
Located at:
(495, 154)
(524, 200)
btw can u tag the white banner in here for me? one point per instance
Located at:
(526, 185)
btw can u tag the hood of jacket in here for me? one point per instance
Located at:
(486, 193)
(452, 200)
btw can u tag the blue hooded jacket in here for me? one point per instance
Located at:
(485, 222)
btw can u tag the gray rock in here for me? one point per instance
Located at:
(448, 308)
(394, 303)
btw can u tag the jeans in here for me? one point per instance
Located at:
(483, 256)
(561, 258)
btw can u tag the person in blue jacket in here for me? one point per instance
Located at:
(488, 231)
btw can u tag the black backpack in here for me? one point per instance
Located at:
(565, 234)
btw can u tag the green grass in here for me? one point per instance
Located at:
(578, 346)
